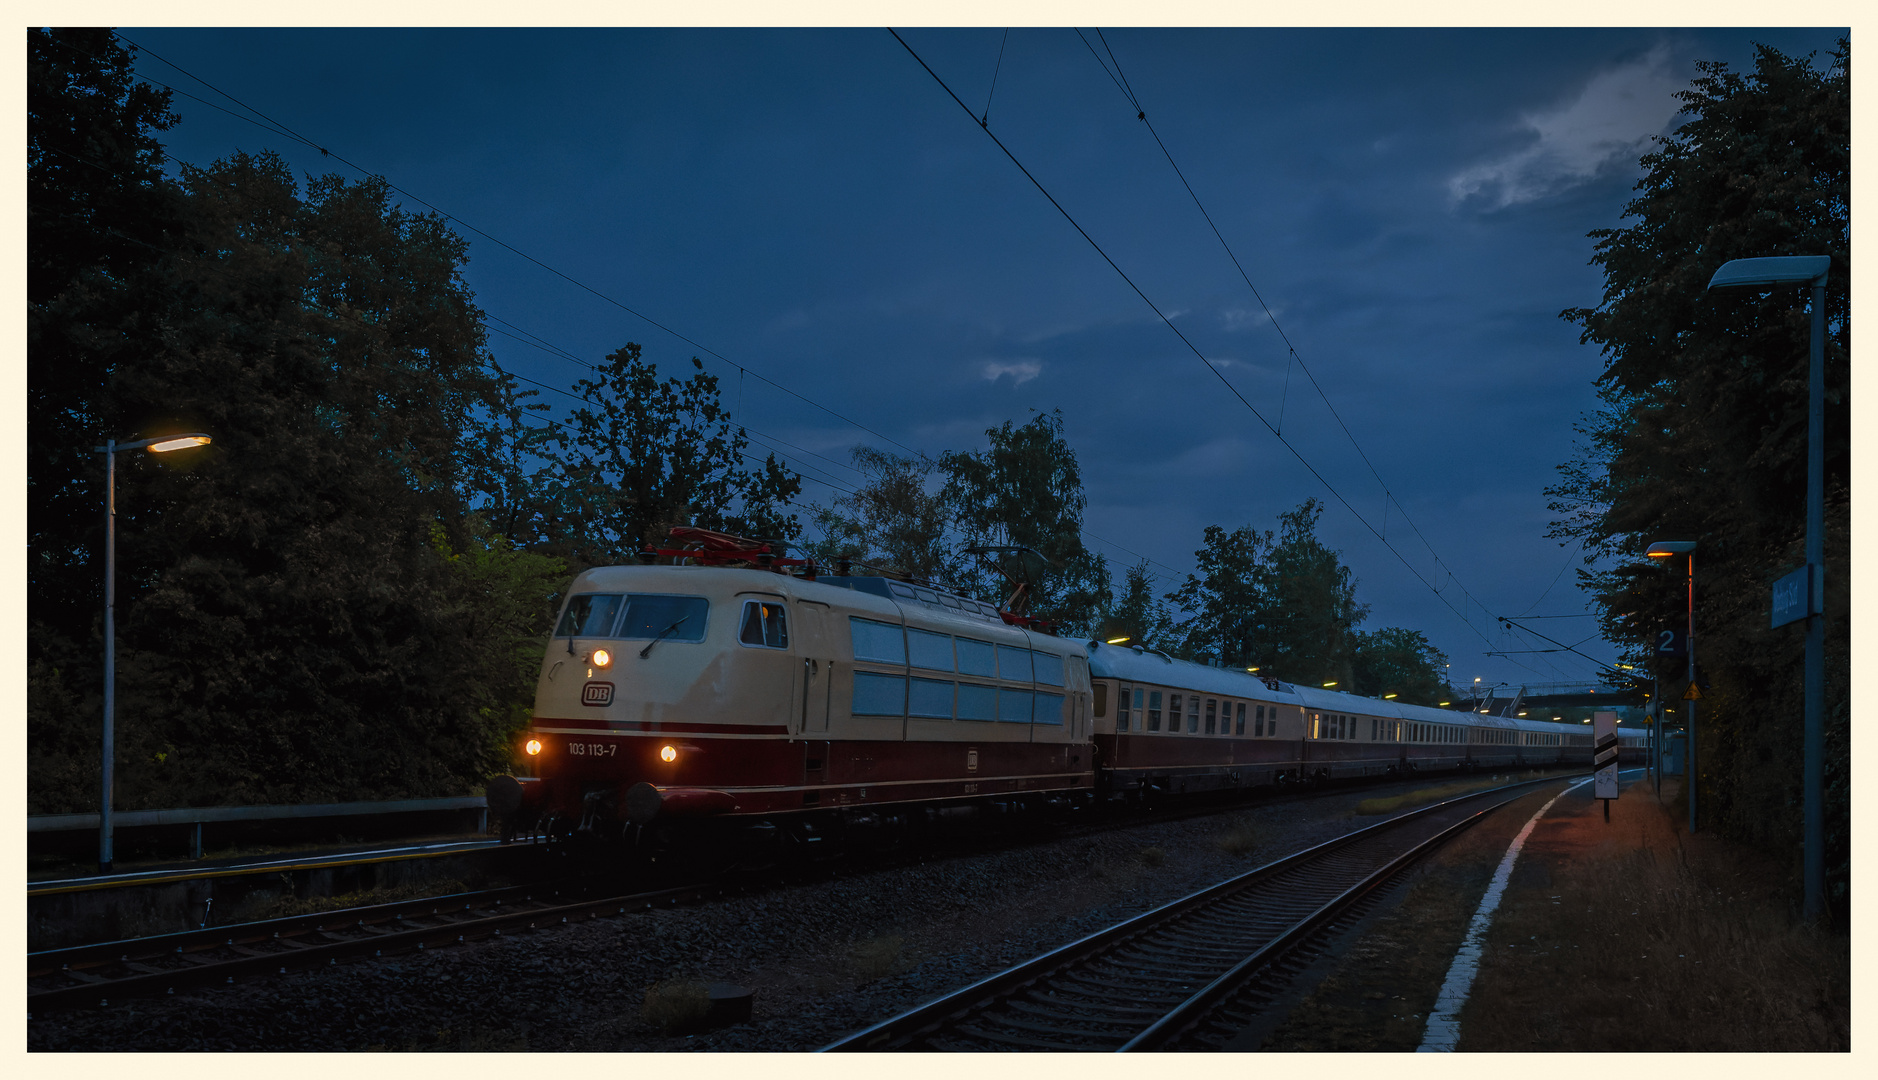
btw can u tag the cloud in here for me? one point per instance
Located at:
(1021, 370)
(1611, 121)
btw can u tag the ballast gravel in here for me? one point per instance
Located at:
(823, 959)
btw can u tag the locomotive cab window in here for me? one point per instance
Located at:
(590, 615)
(765, 625)
(635, 615)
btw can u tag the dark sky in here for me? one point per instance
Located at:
(811, 205)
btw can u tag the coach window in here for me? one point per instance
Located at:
(1239, 729)
(764, 625)
(1212, 705)
(1102, 699)
(1121, 708)
(1193, 714)
(1154, 710)
(1258, 720)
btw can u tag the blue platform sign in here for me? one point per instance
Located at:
(1793, 600)
(1672, 643)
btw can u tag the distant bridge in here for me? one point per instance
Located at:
(1507, 699)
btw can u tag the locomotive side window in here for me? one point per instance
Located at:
(879, 642)
(1014, 663)
(929, 698)
(978, 702)
(1049, 668)
(658, 615)
(1154, 710)
(879, 695)
(977, 658)
(1014, 705)
(1049, 708)
(764, 624)
(590, 615)
(929, 650)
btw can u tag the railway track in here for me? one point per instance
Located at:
(1189, 974)
(95, 975)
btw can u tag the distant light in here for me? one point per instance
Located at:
(180, 443)
(1586, 721)
(1251, 669)
(1119, 640)
(1522, 714)
(1627, 667)
(1444, 703)
(1329, 684)
(1388, 697)
(1663, 549)
(1476, 678)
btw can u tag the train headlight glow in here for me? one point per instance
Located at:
(602, 658)
(533, 747)
(668, 754)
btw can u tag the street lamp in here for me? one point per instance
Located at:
(1663, 549)
(161, 445)
(1808, 270)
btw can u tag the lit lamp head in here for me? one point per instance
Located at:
(1663, 549)
(180, 442)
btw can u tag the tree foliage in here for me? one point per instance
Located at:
(1281, 602)
(1140, 614)
(1702, 431)
(1026, 489)
(1398, 661)
(895, 521)
(644, 454)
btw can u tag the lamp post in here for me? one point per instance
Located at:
(110, 449)
(1663, 549)
(1809, 270)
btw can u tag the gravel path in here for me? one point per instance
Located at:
(824, 959)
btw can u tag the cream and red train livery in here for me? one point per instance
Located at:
(671, 693)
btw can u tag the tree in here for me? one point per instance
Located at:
(1283, 603)
(644, 455)
(1703, 426)
(1140, 614)
(1026, 489)
(1398, 661)
(893, 522)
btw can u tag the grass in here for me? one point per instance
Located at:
(1241, 838)
(269, 905)
(676, 1007)
(1686, 948)
(1423, 796)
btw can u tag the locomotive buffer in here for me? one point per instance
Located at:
(1604, 758)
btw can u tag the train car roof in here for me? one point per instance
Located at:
(1135, 664)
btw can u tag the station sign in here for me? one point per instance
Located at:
(1604, 756)
(1797, 595)
(1672, 643)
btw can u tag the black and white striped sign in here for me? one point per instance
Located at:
(1604, 755)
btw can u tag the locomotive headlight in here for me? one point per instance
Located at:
(533, 747)
(668, 753)
(602, 658)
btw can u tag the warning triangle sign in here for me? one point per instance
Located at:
(1694, 693)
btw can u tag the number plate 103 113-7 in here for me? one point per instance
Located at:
(591, 749)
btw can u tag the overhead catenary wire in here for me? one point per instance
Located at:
(268, 123)
(1302, 460)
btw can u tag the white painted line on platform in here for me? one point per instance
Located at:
(1444, 1020)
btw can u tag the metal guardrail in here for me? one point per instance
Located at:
(198, 816)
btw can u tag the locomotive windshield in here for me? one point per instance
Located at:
(635, 615)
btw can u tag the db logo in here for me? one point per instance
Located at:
(597, 693)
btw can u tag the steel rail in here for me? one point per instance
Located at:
(928, 1019)
(368, 940)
